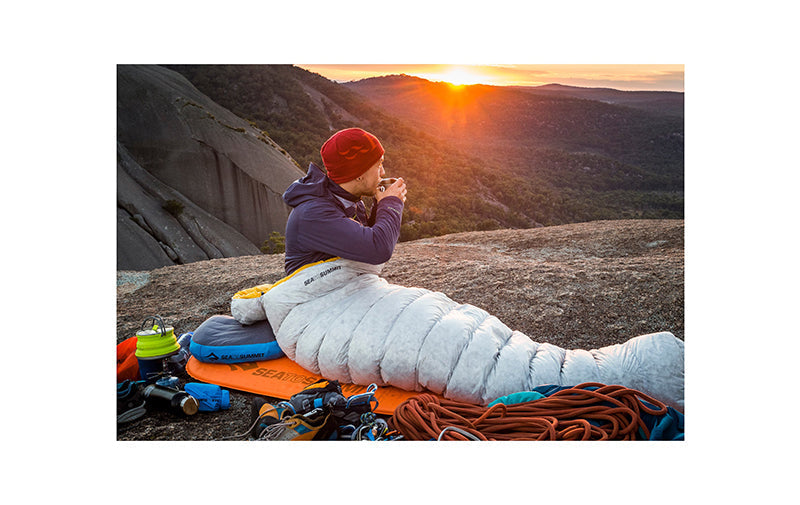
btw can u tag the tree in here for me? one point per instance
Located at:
(275, 244)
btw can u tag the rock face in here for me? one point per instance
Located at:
(194, 181)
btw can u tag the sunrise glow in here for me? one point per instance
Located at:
(623, 77)
(458, 76)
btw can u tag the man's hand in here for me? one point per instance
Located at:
(397, 189)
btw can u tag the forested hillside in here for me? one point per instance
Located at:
(617, 141)
(530, 179)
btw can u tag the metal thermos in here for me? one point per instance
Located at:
(171, 398)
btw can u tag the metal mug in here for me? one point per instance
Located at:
(385, 183)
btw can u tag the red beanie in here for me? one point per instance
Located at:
(349, 153)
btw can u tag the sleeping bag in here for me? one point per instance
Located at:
(340, 319)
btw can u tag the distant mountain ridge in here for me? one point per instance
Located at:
(615, 124)
(512, 159)
(620, 159)
(656, 102)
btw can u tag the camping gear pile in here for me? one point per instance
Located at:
(146, 368)
(148, 365)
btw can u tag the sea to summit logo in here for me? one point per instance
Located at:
(281, 375)
(322, 274)
(243, 357)
(235, 357)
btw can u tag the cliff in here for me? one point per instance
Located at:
(194, 181)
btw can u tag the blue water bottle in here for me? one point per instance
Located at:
(210, 397)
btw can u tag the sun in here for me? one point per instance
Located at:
(459, 76)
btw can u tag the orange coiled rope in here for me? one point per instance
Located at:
(564, 415)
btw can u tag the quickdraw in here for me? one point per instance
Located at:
(374, 428)
(320, 412)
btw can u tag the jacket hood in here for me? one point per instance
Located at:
(309, 187)
(314, 185)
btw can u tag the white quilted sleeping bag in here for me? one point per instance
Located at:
(339, 319)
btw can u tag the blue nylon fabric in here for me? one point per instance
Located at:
(210, 397)
(666, 427)
(521, 397)
(235, 353)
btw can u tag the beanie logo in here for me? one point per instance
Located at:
(353, 152)
(349, 153)
(355, 149)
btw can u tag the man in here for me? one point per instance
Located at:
(328, 217)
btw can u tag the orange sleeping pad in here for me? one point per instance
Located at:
(281, 378)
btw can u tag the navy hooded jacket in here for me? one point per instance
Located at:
(327, 221)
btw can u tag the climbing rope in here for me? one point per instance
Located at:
(604, 412)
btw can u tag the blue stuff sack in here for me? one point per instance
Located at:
(223, 339)
(521, 397)
(210, 397)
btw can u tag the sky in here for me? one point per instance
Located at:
(628, 77)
